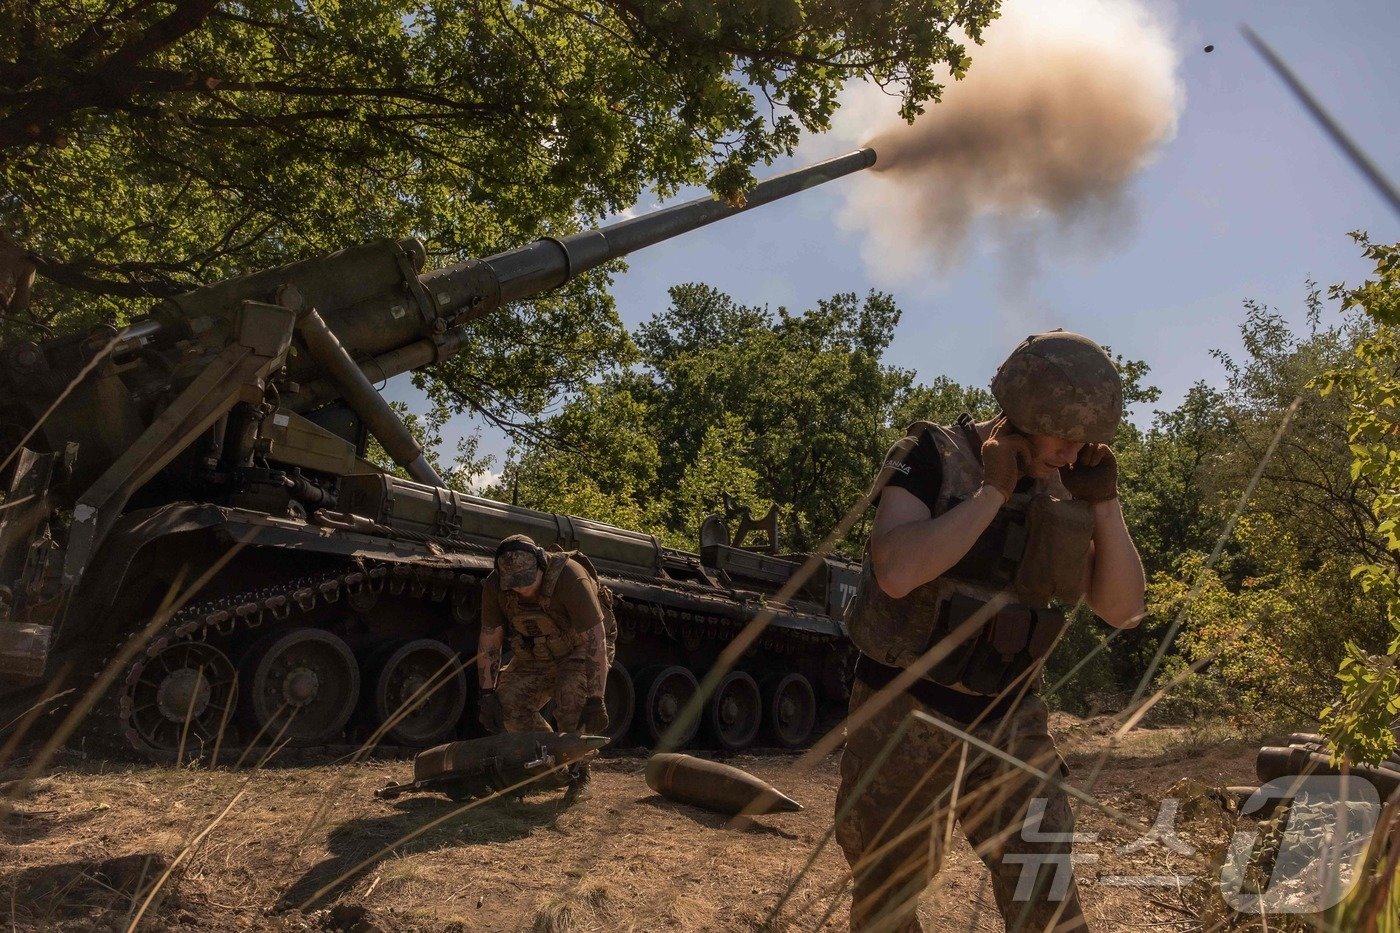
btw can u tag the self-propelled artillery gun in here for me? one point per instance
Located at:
(189, 508)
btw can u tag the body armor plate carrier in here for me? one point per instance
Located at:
(1035, 550)
(541, 631)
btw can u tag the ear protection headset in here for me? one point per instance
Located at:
(524, 545)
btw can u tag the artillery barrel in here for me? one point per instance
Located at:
(549, 263)
(465, 291)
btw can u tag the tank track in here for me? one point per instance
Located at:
(253, 609)
(284, 603)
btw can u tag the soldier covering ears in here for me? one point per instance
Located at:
(983, 532)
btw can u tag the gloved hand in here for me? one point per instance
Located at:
(1093, 477)
(1004, 456)
(594, 718)
(490, 713)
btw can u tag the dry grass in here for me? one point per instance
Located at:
(624, 860)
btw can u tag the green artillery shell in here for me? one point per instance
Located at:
(479, 767)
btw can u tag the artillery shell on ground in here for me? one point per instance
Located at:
(1274, 762)
(507, 763)
(714, 786)
(1321, 747)
(1240, 795)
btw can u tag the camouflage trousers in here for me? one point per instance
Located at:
(895, 829)
(526, 686)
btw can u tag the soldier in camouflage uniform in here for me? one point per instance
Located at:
(983, 531)
(560, 646)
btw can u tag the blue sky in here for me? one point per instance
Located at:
(1248, 200)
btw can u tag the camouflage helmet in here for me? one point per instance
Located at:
(1063, 385)
(518, 560)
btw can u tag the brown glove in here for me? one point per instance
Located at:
(1094, 476)
(594, 717)
(490, 713)
(1004, 456)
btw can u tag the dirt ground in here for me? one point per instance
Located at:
(310, 848)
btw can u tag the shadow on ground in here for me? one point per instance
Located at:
(46, 895)
(370, 840)
(743, 824)
(19, 826)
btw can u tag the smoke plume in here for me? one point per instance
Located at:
(1065, 102)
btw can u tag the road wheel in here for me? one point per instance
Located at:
(183, 697)
(422, 689)
(621, 700)
(665, 692)
(734, 712)
(301, 687)
(790, 710)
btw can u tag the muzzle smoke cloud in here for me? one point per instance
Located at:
(1065, 102)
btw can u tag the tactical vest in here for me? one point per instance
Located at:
(987, 620)
(540, 631)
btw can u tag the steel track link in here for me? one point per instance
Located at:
(246, 611)
(286, 602)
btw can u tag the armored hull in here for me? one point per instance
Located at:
(345, 629)
(192, 537)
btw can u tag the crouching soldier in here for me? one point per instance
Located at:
(561, 639)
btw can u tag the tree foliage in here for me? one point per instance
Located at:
(1268, 624)
(1262, 626)
(1360, 721)
(149, 148)
(766, 406)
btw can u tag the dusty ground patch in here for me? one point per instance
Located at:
(301, 840)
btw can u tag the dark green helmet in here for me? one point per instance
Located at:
(1063, 385)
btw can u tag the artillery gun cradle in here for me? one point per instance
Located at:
(188, 505)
